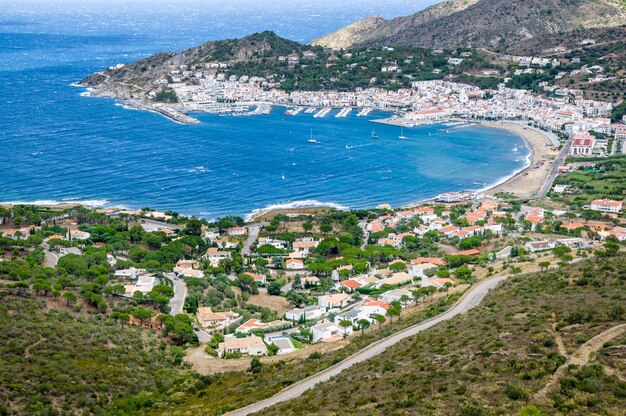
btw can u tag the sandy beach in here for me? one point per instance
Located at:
(527, 183)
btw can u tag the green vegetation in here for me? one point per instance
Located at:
(606, 180)
(56, 361)
(166, 96)
(494, 359)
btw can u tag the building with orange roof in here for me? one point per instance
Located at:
(606, 205)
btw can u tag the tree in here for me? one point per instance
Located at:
(326, 228)
(307, 226)
(274, 288)
(363, 324)
(394, 310)
(120, 317)
(345, 324)
(297, 299)
(544, 265)
(255, 365)
(43, 285)
(70, 297)
(194, 227)
(142, 314)
(404, 299)
(380, 319)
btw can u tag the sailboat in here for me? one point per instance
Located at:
(374, 135)
(312, 140)
(402, 136)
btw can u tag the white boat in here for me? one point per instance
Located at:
(515, 149)
(312, 140)
(402, 136)
(374, 135)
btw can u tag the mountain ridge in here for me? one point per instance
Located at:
(478, 23)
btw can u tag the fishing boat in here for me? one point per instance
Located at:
(402, 136)
(374, 135)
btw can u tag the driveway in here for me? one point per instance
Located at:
(180, 293)
(253, 234)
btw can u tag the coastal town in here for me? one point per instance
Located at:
(297, 280)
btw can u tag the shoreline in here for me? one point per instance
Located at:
(523, 183)
(528, 181)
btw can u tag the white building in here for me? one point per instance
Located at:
(329, 332)
(606, 205)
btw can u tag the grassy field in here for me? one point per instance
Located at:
(607, 180)
(495, 359)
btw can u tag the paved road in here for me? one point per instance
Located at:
(472, 298)
(180, 293)
(253, 234)
(558, 161)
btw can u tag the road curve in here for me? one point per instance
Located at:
(469, 300)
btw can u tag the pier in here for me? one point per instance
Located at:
(322, 113)
(364, 112)
(344, 112)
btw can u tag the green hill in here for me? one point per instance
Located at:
(495, 359)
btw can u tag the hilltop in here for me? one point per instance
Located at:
(479, 23)
(134, 80)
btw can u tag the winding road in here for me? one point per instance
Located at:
(469, 300)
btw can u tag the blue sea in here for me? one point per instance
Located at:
(58, 145)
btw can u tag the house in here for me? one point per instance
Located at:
(400, 278)
(329, 332)
(131, 273)
(351, 316)
(306, 313)
(216, 320)
(294, 264)
(337, 300)
(505, 253)
(188, 268)
(336, 275)
(437, 261)
(279, 244)
(250, 346)
(374, 307)
(471, 252)
(305, 246)
(419, 270)
(192, 273)
(214, 256)
(310, 281)
(255, 324)
(284, 344)
(235, 231)
(606, 205)
(437, 282)
(582, 145)
(78, 235)
(260, 279)
(535, 246)
(394, 295)
(145, 283)
(349, 285)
